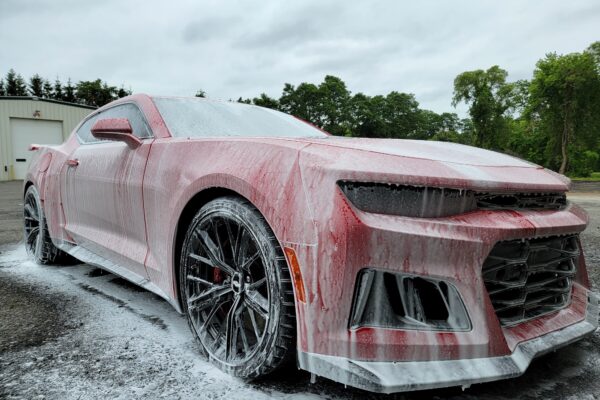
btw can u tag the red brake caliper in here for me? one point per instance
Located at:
(217, 277)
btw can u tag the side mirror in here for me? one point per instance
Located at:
(115, 129)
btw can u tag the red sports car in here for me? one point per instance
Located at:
(388, 265)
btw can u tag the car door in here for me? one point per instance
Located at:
(102, 192)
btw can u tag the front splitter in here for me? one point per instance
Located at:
(391, 377)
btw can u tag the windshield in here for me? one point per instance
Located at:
(196, 117)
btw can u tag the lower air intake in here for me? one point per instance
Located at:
(391, 300)
(526, 279)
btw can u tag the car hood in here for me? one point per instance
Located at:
(429, 150)
(420, 162)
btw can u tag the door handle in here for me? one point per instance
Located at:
(73, 162)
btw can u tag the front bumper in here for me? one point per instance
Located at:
(390, 377)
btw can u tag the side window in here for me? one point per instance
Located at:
(129, 111)
(84, 132)
(133, 114)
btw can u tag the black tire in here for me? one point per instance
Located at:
(231, 260)
(37, 239)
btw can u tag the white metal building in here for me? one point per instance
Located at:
(26, 120)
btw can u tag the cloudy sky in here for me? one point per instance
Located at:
(243, 48)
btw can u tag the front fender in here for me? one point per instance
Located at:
(266, 174)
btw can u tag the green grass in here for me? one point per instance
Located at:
(595, 176)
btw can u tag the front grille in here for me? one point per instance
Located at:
(529, 278)
(521, 201)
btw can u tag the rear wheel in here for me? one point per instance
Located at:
(37, 239)
(236, 289)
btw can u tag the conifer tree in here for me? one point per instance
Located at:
(36, 86)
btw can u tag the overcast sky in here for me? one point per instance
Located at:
(234, 48)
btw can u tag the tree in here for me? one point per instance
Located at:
(48, 90)
(333, 106)
(69, 92)
(450, 122)
(36, 86)
(565, 99)
(365, 116)
(57, 93)
(519, 96)
(95, 93)
(396, 115)
(302, 102)
(265, 101)
(326, 105)
(15, 84)
(2, 90)
(200, 93)
(122, 92)
(429, 123)
(527, 140)
(401, 114)
(445, 127)
(594, 51)
(489, 98)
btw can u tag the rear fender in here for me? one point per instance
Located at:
(45, 172)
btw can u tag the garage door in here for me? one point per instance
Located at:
(27, 131)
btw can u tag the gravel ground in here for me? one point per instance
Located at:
(76, 332)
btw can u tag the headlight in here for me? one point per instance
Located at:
(433, 202)
(408, 201)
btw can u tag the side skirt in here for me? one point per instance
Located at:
(86, 256)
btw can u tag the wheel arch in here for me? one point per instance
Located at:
(26, 186)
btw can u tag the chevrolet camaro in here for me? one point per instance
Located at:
(387, 265)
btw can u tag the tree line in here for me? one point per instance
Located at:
(332, 107)
(94, 93)
(552, 120)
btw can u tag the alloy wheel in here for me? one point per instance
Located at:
(227, 288)
(31, 216)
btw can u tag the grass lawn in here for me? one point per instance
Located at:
(595, 176)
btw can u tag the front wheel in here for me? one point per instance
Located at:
(236, 289)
